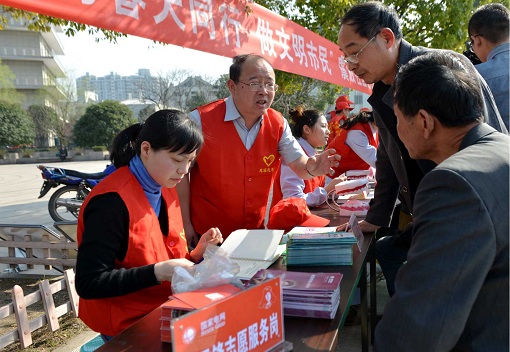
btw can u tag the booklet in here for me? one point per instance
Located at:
(323, 245)
(319, 246)
(300, 232)
(253, 250)
(306, 294)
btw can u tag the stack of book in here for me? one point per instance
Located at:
(319, 246)
(311, 295)
(185, 302)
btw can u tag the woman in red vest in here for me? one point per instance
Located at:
(339, 115)
(356, 144)
(130, 230)
(310, 128)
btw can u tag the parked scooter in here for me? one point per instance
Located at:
(65, 202)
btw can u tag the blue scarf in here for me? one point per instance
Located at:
(150, 187)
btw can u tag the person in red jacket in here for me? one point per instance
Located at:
(356, 144)
(245, 139)
(130, 229)
(339, 116)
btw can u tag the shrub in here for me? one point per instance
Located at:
(16, 125)
(101, 122)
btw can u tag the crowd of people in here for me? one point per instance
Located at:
(436, 134)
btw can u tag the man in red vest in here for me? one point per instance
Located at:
(244, 141)
(338, 116)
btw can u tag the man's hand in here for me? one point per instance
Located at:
(365, 226)
(322, 164)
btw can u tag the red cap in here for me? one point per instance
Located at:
(343, 102)
(364, 109)
(291, 212)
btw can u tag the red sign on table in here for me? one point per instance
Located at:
(251, 320)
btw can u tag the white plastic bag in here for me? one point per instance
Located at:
(216, 269)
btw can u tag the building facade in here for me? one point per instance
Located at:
(113, 86)
(162, 91)
(32, 57)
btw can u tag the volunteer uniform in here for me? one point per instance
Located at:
(233, 173)
(358, 148)
(337, 120)
(147, 244)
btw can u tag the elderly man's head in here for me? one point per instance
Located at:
(435, 92)
(252, 85)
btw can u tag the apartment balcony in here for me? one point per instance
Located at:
(32, 54)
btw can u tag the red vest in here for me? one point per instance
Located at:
(334, 125)
(310, 185)
(350, 160)
(229, 184)
(146, 245)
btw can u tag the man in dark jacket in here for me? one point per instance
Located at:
(452, 294)
(370, 37)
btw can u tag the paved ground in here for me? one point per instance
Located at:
(19, 188)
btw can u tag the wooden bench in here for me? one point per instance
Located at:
(18, 307)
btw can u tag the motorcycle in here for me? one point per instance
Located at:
(65, 202)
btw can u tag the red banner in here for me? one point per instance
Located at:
(222, 27)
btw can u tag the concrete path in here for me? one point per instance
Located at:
(20, 185)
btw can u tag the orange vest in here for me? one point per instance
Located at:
(310, 185)
(229, 184)
(147, 245)
(334, 125)
(350, 160)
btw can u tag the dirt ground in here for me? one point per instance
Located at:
(43, 339)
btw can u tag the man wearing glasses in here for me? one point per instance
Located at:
(489, 34)
(370, 38)
(244, 139)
